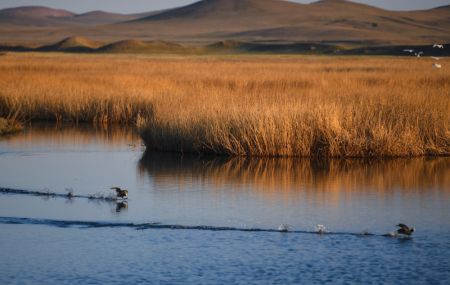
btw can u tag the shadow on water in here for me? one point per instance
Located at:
(288, 174)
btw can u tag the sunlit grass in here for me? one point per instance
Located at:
(252, 105)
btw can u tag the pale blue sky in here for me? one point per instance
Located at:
(133, 6)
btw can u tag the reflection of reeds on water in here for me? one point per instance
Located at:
(301, 175)
(78, 135)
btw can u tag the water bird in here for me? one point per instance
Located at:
(121, 193)
(404, 230)
(283, 228)
(70, 194)
(408, 50)
(437, 65)
(438, 46)
(418, 54)
(321, 229)
(435, 58)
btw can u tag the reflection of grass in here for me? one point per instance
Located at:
(9, 126)
(295, 175)
(247, 105)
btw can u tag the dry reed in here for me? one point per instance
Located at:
(244, 106)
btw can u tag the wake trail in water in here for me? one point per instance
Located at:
(70, 195)
(155, 226)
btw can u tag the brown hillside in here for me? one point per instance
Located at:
(137, 46)
(73, 44)
(328, 21)
(33, 16)
(38, 16)
(101, 17)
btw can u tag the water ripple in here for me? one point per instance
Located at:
(145, 226)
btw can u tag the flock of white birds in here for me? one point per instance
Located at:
(419, 54)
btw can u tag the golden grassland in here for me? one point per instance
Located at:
(243, 105)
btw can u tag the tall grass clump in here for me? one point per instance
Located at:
(74, 89)
(356, 107)
(244, 106)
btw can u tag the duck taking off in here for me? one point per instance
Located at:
(321, 229)
(404, 230)
(121, 193)
(283, 228)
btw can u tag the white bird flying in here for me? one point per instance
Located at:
(408, 50)
(435, 58)
(438, 46)
(419, 54)
(436, 65)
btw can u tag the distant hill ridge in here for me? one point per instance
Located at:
(45, 16)
(325, 21)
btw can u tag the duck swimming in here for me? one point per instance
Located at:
(404, 230)
(121, 193)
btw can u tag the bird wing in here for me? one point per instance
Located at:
(403, 226)
(115, 188)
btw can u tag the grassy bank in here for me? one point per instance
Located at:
(254, 105)
(64, 88)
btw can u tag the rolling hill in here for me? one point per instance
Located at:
(72, 44)
(137, 46)
(336, 22)
(37, 16)
(327, 20)
(33, 16)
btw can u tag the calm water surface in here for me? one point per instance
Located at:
(192, 220)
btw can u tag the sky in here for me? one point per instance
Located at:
(134, 6)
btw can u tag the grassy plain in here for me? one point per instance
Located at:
(243, 105)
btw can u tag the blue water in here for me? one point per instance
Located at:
(193, 220)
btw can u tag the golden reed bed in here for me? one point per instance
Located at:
(245, 105)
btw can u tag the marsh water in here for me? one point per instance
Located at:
(213, 220)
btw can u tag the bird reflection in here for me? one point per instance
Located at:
(120, 206)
